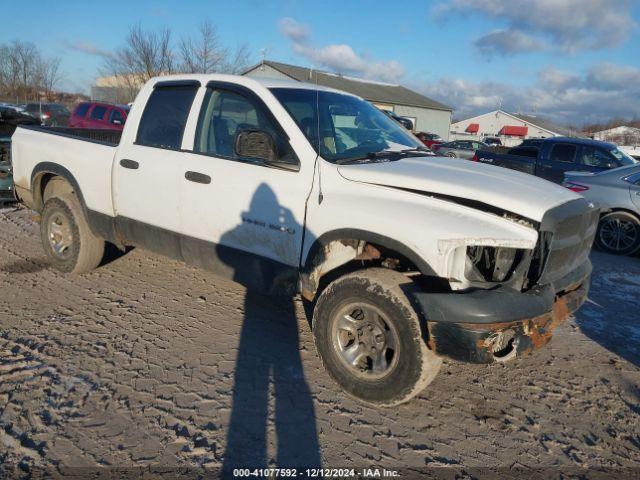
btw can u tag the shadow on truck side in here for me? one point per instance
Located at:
(268, 356)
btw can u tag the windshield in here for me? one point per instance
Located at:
(342, 127)
(623, 158)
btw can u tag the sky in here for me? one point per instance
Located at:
(574, 61)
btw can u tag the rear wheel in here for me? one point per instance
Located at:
(450, 154)
(618, 233)
(66, 237)
(370, 338)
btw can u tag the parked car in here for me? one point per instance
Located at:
(429, 139)
(10, 118)
(6, 177)
(49, 114)
(99, 115)
(492, 141)
(405, 122)
(288, 188)
(460, 148)
(617, 193)
(556, 155)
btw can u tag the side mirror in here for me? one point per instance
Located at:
(255, 144)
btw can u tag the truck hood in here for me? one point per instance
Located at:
(509, 190)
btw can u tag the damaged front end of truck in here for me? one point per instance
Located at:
(515, 298)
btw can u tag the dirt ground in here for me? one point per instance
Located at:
(150, 363)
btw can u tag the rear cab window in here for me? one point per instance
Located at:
(165, 115)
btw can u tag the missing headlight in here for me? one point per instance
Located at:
(492, 264)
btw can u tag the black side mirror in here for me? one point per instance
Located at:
(256, 144)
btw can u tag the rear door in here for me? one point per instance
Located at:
(148, 172)
(557, 159)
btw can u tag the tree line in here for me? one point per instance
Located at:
(27, 74)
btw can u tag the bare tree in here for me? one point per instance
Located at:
(47, 75)
(24, 72)
(238, 61)
(204, 54)
(145, 55)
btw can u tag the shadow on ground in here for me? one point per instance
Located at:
(268, 379)
(611, 316)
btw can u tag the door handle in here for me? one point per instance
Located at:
(197, 177)
(132, 164)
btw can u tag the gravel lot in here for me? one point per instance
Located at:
(150, 363)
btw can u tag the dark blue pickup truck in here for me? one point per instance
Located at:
(551, 157)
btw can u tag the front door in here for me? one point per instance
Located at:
(243, 217)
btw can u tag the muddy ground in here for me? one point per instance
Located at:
(150, 363)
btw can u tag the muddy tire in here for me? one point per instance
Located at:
(370, 338)
(618, 233)
(66, 237)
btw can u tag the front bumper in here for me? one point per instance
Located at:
(486, 326)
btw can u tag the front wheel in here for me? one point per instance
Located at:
(370, 338)
(66, 237)
(618, 233)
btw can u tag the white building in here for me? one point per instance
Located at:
(510, 128)
(426, 114)
(622, 135)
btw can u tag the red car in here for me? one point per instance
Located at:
(429, 139)
(99, 116)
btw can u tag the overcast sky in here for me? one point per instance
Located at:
(576, 61)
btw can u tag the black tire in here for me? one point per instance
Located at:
(79, 250)
(450, 154)
(410, 367)
(628, 226)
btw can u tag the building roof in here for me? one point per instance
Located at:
(545, 124)
(369, 90)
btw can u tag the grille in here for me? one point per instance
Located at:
(572, 227)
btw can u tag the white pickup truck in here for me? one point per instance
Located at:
(292, 188)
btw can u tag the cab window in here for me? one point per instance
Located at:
(165, 116)
(596, 157)
(225, 114)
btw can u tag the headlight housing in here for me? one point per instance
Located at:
(492, 264)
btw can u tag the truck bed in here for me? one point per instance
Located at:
(87, 155)
(107, 137)
(521, 163)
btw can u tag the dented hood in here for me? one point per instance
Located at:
(513, 191)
